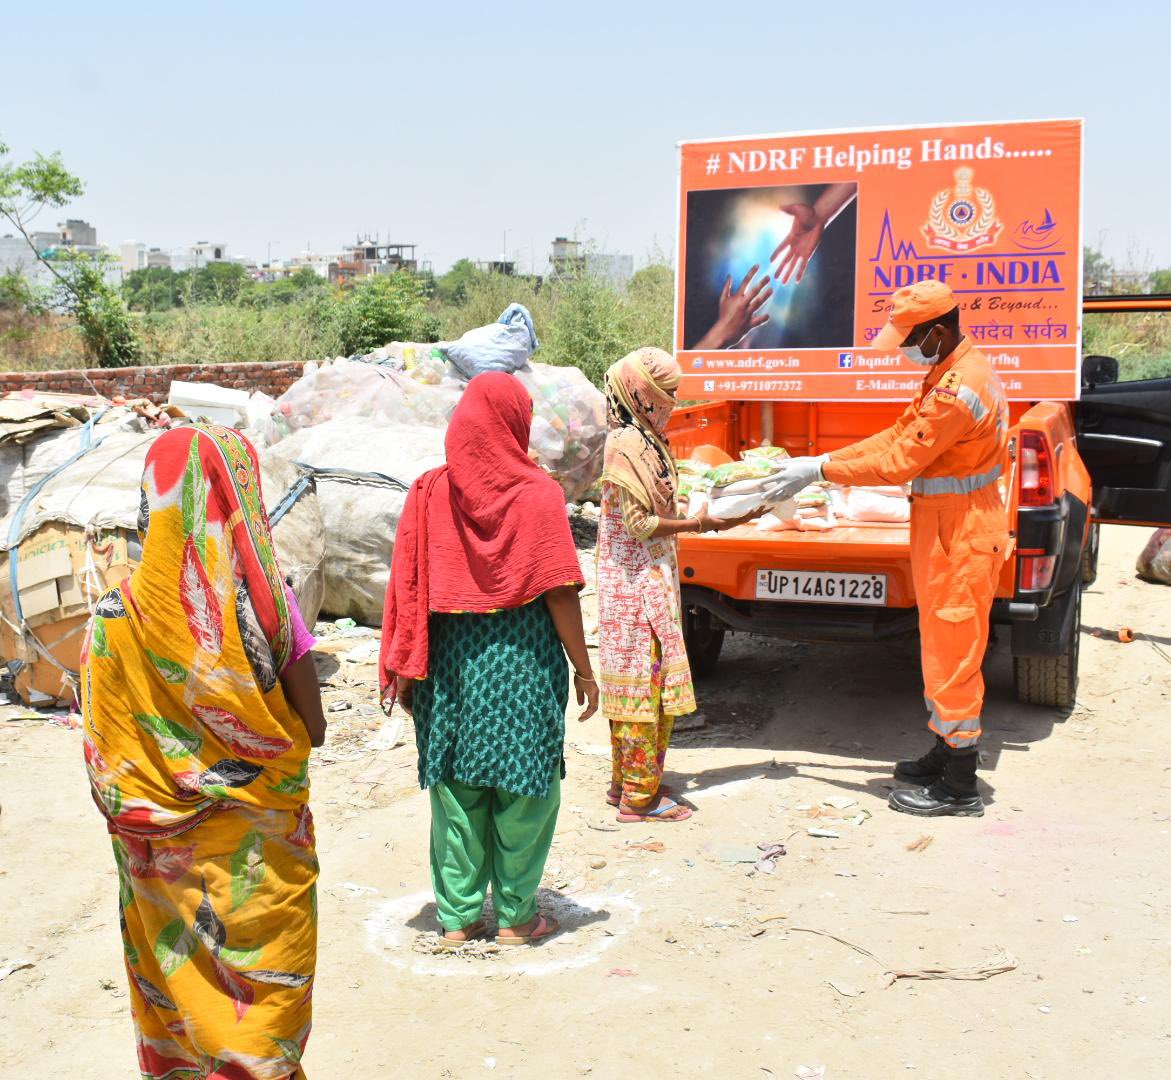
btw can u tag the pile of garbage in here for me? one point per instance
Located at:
(412, 385)
(70, 493)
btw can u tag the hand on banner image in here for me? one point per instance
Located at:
(739, 311)
(794, 253)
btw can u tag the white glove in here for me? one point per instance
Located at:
(795, 475)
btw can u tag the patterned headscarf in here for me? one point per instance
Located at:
(640, 399)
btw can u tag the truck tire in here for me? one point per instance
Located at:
(704, 639)
(1090, 556)
(1052, 680)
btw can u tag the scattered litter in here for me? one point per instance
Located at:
(597, 864)
(14, 966)
(770, 853)
(839, 802)
(809, 1072)
(366, 653)
(844, 873)
(602, 826)
(387, 737)
(825, 834)
(656, 847)
(1069, 918)
(904, 911)
(846, 990)
(622, 973)
(489, 1063)
(1126, 635)
(345, 624)
(1045, 1009)
(1001, 962)
(922, 844)
(861, 816)
(770, 918)
(341, 705)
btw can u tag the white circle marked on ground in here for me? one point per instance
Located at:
(591, 924)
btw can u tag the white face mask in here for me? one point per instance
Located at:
(916, 355)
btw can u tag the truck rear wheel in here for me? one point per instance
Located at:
(1052, 680)
(704, 639)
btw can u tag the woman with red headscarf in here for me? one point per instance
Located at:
(481, 610)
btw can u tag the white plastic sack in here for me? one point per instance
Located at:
(1154, 563)
(505, 345)
(361, 514)
(868, 504)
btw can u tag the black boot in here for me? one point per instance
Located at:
(924, 770)
(954, 795)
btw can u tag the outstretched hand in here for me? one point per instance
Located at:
(739, 311)
(792, 254)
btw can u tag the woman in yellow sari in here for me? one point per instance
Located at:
(200, 705)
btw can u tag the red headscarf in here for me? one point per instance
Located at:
(486, 532)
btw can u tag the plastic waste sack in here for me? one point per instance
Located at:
(364, 469)
(1154, 563)
(505, 345)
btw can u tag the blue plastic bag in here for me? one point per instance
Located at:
(505, 345)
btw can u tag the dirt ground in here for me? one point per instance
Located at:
(679, 958)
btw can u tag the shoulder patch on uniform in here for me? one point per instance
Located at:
(950, 384)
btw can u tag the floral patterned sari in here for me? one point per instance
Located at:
(200, 768)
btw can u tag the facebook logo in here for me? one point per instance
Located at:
(697, 362)
(845, 359)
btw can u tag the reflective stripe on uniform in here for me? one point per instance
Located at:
(975, 406)
(954, 485)
(956, 733)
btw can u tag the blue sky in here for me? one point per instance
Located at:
(444, 124)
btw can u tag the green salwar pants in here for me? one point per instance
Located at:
(482, 835)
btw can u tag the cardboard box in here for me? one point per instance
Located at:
(60, 575)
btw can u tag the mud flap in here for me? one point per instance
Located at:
(1049, 634)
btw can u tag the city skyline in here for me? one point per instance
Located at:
(269, 125)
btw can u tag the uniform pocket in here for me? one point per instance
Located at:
(956, 614)
(991, 544)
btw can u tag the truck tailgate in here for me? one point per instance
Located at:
(728, 563)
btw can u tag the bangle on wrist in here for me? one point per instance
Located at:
(584, 678)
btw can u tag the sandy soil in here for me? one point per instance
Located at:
(678, 957)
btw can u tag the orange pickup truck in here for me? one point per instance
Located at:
(1105, 458)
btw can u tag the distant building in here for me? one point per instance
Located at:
(614, 268)
(78, 233)
(567, 257)
(133, 256)
(203, 253)
(497, 266)
(369, 258)
(157, 259)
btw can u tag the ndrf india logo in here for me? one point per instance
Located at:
(962, 218)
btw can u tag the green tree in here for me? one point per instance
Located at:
(452, 287)
(1097, 271)
(154, 288)
(106, 326)
(382, 309)
(219, 283)
(1161, 281)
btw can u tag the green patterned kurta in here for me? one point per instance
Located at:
(492, 711)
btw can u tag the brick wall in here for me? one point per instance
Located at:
(154, 383)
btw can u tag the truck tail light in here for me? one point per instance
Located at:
(1037, 572)
(1036, 470)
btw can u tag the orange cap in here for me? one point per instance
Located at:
(910, 306)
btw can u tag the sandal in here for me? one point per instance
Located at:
(614, 798)
(658, 814)
(471, 932)
(544, 928)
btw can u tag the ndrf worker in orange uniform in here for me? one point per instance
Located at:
(951, 446)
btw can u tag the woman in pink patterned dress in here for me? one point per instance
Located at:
(645, 676)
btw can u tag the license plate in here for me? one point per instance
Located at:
(821, 588)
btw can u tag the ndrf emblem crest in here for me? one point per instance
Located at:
(962, 218)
